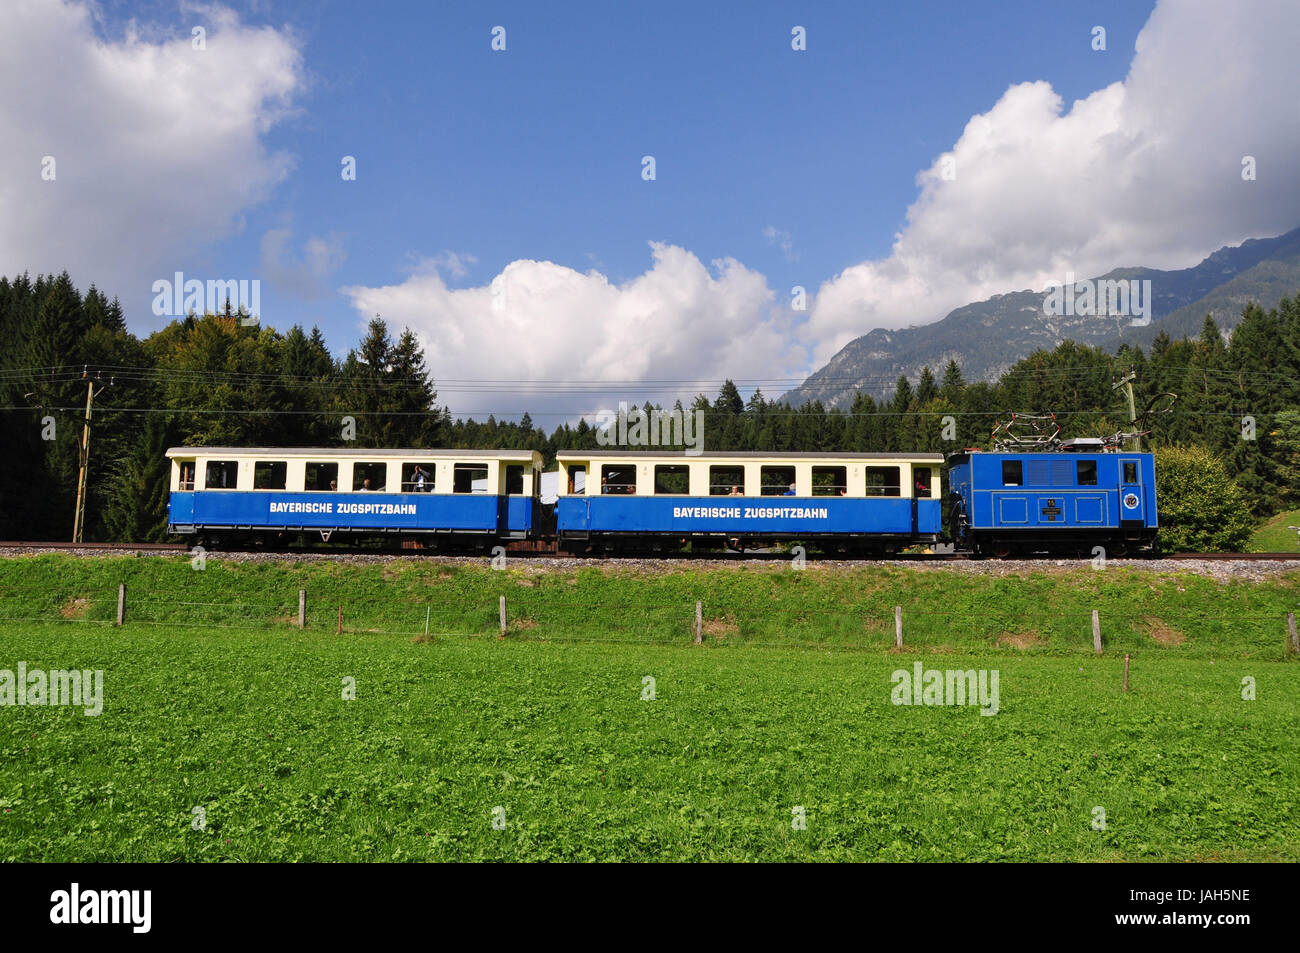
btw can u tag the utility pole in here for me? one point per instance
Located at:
(1125, 383)
(78, 524)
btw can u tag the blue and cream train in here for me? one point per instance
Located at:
(612, 500)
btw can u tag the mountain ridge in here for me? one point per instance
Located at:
(987, 337)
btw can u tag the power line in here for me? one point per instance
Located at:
(63, 374)
(335, 412)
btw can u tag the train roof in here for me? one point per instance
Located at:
(355, 452)
(740, 455)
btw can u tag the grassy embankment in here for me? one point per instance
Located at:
(1276, 536)
(213, 699)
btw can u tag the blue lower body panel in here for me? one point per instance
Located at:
(350, 512)
(746, 516)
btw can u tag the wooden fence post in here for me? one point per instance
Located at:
(503, 616)
(1290, 624)
(121, 603)
(898, 627)
(699, 622)
(1096, 632)
(302, 608)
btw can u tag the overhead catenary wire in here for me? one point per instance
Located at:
(64, 374)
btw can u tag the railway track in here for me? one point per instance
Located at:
(719, 556)
(72, 547)
(1237, 557)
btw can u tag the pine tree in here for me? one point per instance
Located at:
(926, 390)
(138, 488)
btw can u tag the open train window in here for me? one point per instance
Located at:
(417, 477)
(777, 481)
(618, 478)
(187, 475)
(270, 474)
(221, 474)
(577, 479)
(830, 481)
(1012, 473)
(726, 481)
(469, 478)
(321, 477)
(1086, 472)
(921, 477)
(672, 479)
(369, 476)
(514, 479)
(884, 481)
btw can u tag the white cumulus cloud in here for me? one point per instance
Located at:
(156, 145)
(1147, 171)
(538, 321)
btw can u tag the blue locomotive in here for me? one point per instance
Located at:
(1072, 499)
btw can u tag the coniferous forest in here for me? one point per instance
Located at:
(223, 380)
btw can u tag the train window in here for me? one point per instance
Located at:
(187, 475)
(269, 474)
(672, 479)
(369, 476)
(418, 477)
(514, 479)
(577, 478)
(830, 481)
(321, 477)
(1086, 471)
(1012, 473)
(469, 478)
(1130, 471)
(726, 481)
(221, 474)
(884, 481)
(776, 481)
(618, 478)
(921, 482)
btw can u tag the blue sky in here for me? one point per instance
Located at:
(535, 152)
(499, 197)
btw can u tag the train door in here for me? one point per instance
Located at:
(1132, 496)
(920, 491)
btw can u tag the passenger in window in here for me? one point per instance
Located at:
(334, 484)
(418, 478)
(789, 492)
(735, 491)
(365, 484)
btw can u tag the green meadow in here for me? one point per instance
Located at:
(1275, 535)
(596, 730)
